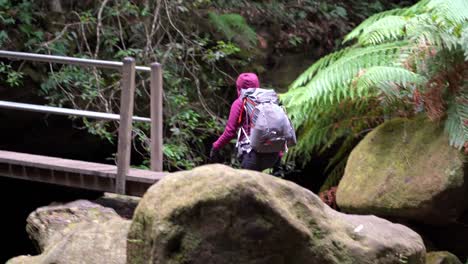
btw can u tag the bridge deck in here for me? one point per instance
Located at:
(73, 173)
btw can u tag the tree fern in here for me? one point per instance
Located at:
(329, 85)
(456, 124)
(464, 40)
(398, 58)
(455, 11)
(391, 24)
(316, 67)
(440, 34)
(389, 80)
(384, 29)
(355, 33)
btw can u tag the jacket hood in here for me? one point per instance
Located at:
(247, 80)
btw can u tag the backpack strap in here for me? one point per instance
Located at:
(244, 108)
(239, 120)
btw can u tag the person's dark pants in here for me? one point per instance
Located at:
(259, 161)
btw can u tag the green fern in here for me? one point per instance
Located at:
(234, 27)
(396, 55)
(355, 33)
(389, 80)
(457, 120)
(330, 85)
(464, 40)
(455, 11)
(384, 29)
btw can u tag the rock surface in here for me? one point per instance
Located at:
(77, 232)
(442, 257)
(406, 169)
(216, 214)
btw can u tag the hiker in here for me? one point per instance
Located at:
(252, 154)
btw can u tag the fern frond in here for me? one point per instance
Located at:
(387, 28)
(332, 84)
(464, 40)
(408, 12)
(356, 32)
(388, 79)
(324, 126)
(232, 26)
(439, 34)
(399, 53)
(317, 66)
(456, 124)
(455, 11)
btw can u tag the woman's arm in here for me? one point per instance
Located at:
(231, 126)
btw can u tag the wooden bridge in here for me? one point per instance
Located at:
(87, 175)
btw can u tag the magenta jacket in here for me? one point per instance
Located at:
(244, 81)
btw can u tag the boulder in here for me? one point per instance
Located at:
(442, 257)
(77, 232)
(405, 169)
(216, 214)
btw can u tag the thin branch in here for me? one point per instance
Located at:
(121, 32)
(60, 35)
(172, 24)
(154, 29)
(99, 27)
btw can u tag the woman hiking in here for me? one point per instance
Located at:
(249, 158)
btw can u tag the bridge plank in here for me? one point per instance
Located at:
(76, 166)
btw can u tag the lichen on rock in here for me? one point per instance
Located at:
(406, 169)
(75, 233)
(216, 214)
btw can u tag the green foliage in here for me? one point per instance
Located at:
(201, 50)
(193, 62)
(220, 51)
(297, 25)
(464, 40)
(13, 78)
(17, 24)
(402, 61)
(234, 28)
(456, 123)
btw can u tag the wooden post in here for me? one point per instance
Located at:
(125, 127)
(156, 117)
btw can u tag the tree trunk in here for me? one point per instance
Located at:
(56, 6)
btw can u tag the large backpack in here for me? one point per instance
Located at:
(270, 127)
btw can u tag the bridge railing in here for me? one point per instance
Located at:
(127, 67)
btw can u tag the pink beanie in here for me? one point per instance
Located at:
(247, 80)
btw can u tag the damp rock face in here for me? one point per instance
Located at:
(442, 257)
(216, 214)
(406, 169)
(77, 232)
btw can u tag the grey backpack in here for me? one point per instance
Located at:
(270, 128)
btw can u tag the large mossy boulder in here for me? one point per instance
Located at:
(76, 233)
(216, 214)
(405, 169)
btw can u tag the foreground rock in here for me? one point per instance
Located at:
(77, 232)
(215, 214)
(442, 257)
(405, 169)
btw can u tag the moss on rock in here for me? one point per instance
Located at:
(405, 168)
(76, 233)
(216, 214)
